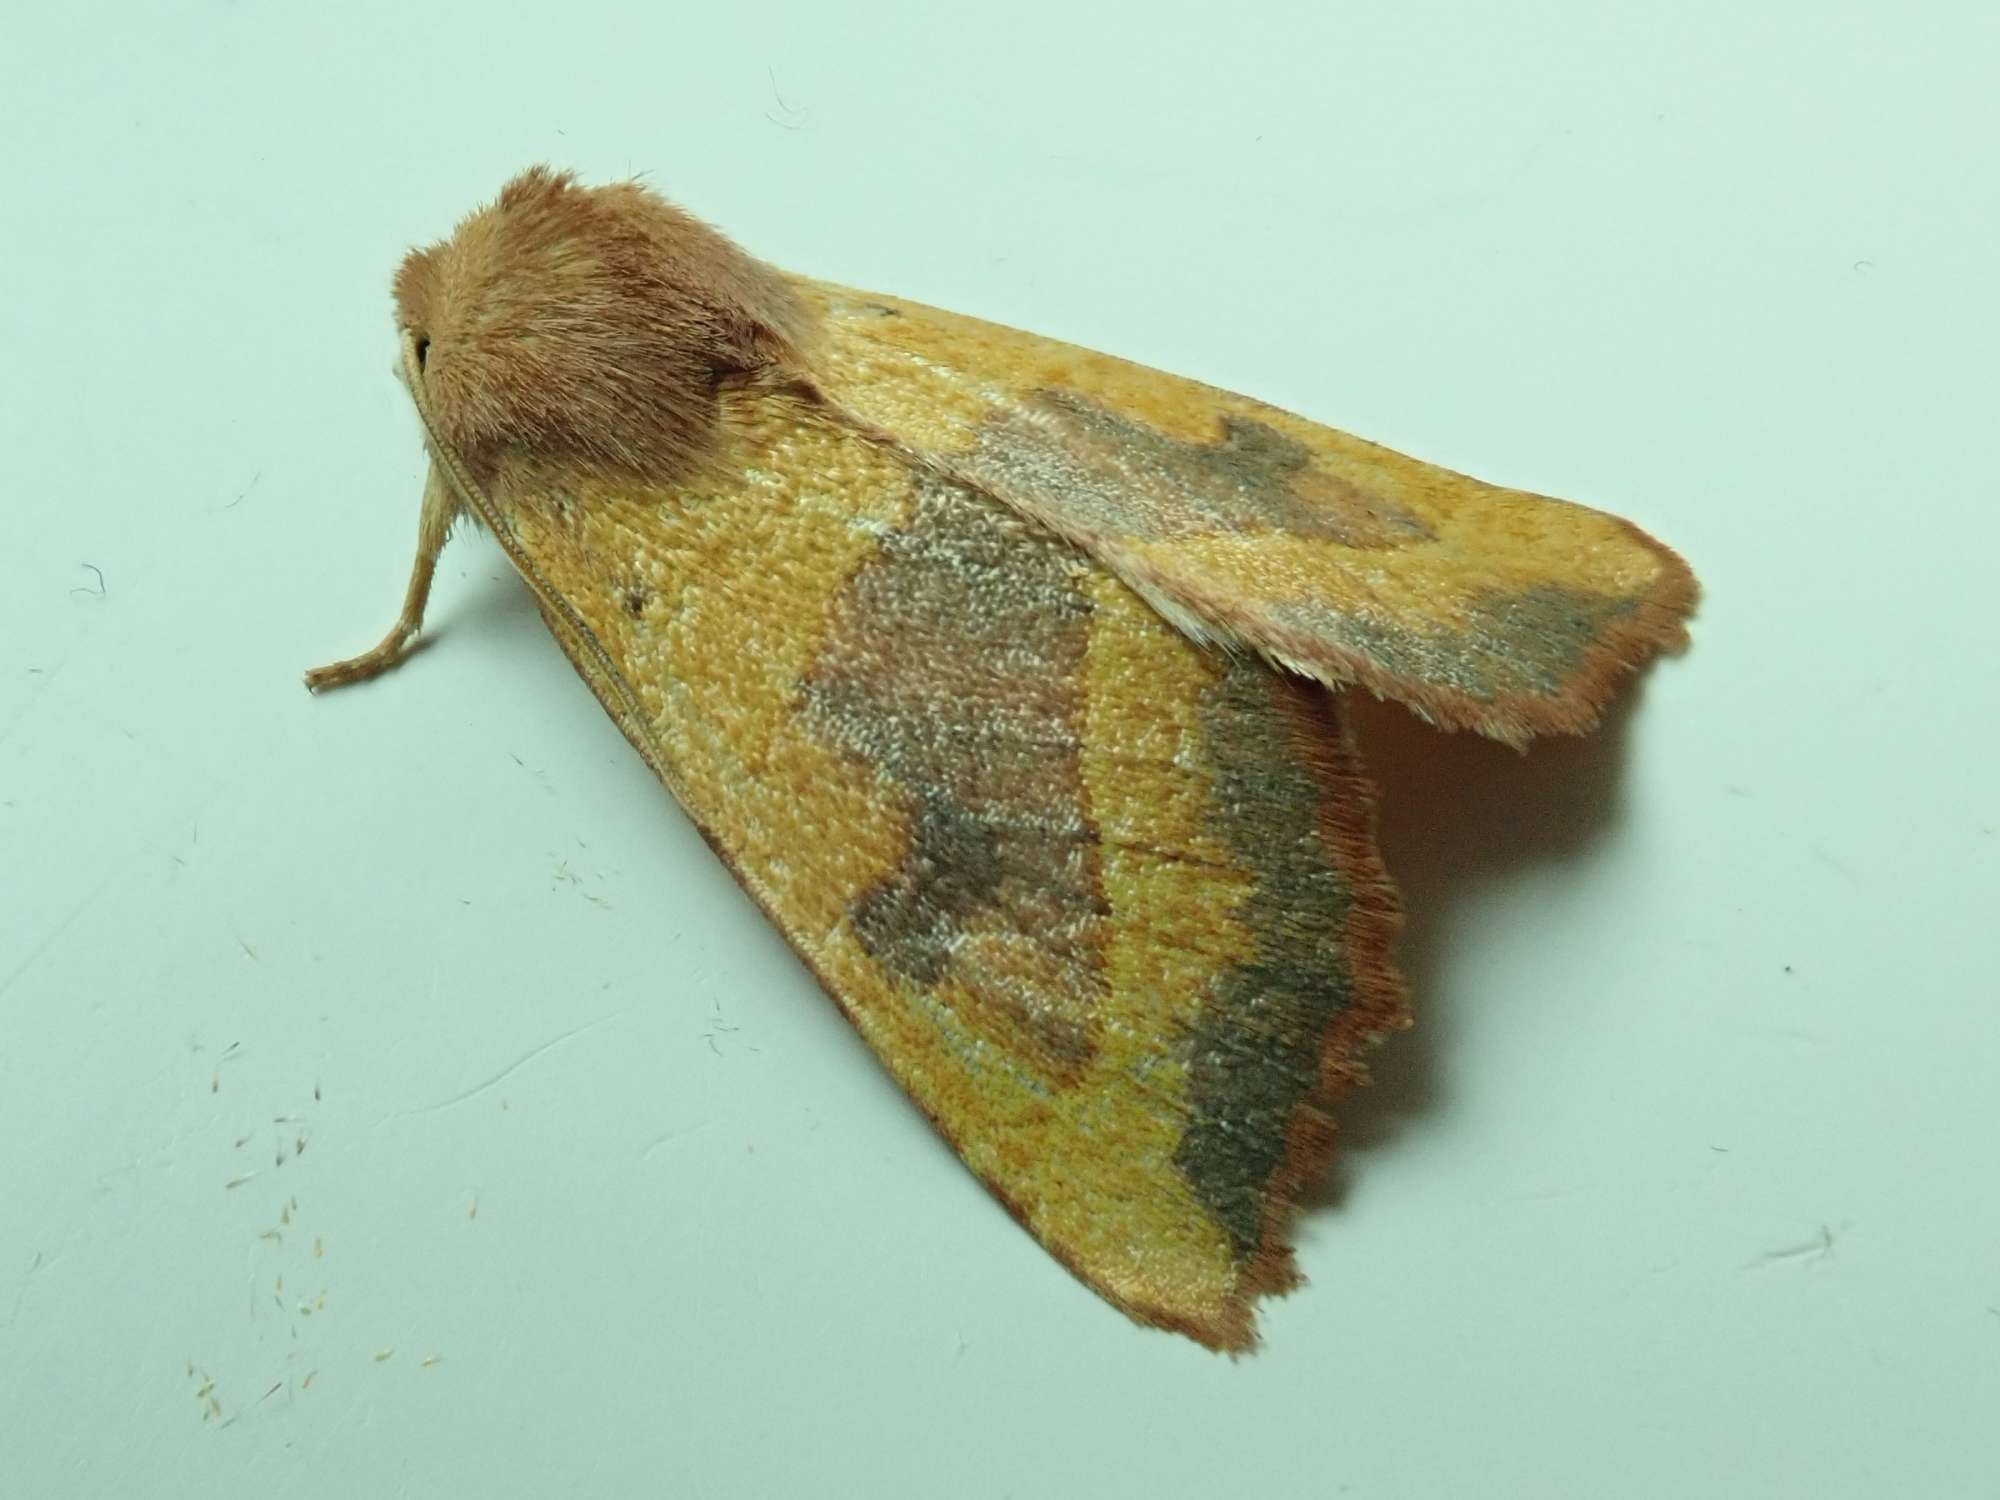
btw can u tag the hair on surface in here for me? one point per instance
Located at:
(591, 325)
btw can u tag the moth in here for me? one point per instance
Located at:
(1008, 679)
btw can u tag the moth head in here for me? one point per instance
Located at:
(594, 328)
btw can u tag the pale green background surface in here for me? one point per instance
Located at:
(1684, 1187)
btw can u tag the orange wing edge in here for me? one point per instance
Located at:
(1655, 625)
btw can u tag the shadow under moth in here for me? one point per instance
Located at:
(1007, 678)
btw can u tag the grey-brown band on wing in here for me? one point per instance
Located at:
(1522, 641)
(1121, 478)
(1254, 1052)
(953, 666)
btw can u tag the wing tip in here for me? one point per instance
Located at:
(1655, 625)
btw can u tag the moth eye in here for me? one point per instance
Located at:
(423, 351)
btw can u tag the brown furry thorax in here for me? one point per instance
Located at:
(594, 327)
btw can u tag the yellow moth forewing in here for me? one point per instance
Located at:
(1006, 676)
